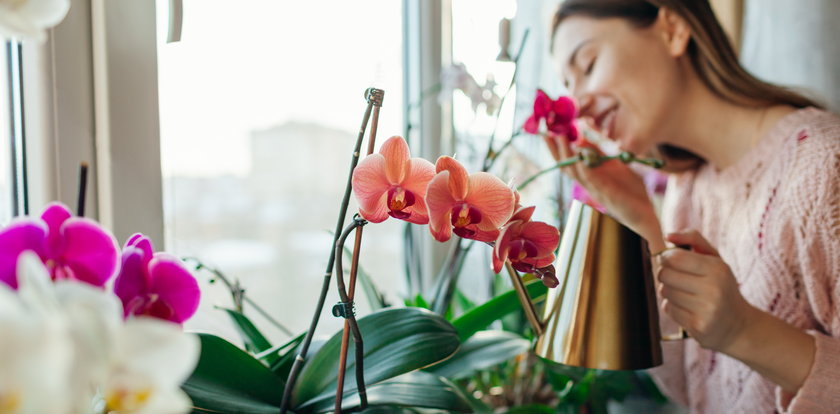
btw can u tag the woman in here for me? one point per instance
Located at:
(754, 191)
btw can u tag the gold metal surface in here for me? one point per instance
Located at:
(603, 315)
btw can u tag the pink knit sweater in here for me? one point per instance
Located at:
(774, 216)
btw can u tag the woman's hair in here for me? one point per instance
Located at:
(709, 50)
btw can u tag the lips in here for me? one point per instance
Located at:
(605, 122)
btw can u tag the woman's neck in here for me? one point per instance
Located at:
(720, 131)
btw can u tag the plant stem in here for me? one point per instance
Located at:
(374, 98)
(490, 157)
(351, 321)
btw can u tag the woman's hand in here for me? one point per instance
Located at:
(619, 189)
(700, 293)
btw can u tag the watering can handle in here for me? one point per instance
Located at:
(681, 333)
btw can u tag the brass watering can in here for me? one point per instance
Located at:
(604, 312)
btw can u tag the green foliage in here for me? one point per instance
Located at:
(482, 316)
(483, 350)
(230, 380)
(396, 341)
(253, 339)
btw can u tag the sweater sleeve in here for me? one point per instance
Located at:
(816, 207)
(670, 376)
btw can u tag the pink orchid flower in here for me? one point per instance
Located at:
(71, 247)
(579, 193)
(528, 245)
(392, 183)
(474, 206)
(559, 116)
(155, 284)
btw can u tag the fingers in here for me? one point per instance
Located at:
(688, 261)
(683, 298)
(676, 279)
(693, 238)
(679, 314)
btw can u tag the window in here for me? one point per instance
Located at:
(6, 150)
(260, 105)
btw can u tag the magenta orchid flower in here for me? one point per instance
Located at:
(71, 247)
(559, 116)
(155, 284)
(474, 206)
(579, 193)
(528, 246)
(392, 183)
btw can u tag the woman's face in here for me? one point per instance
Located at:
(625, 79)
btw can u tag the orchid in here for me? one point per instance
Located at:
(72, 248)
(66, 340)
(528, 245)
(155, 284)
(559, 116)
(474, 206)
(31, 18)
(392, 183)
(579, 193)
(149, 361)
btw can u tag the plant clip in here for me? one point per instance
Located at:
(344, 309)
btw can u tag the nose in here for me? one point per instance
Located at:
(585, 102)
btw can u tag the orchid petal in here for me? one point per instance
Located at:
(18, 237)
(492, 197)
(175, 286)
(532, 124)
(564, 109)
(542, 104)
(543, 235)
(370, 185)
(396, 154)
(458, 176)
(158, 350)
(142, 242)
(523, 214)
(54, 215)
(486, 236)
(89, 251)
(420, 174)
(439, 202)
(542, 261)
(133, 280)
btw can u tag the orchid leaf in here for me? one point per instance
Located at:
(280, 356)
(396, 341)
(483, 350)
(228, 379)
(480, 317)
(255, 342)
(416, 389)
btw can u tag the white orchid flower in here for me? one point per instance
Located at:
(30, 18)
(35, 350)
(151, 358)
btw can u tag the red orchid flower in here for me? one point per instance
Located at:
(559, 116)
(392, 183)
(71, 247)
(528, 245)
(155, 284)
(474, 206)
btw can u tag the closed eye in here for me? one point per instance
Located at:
(590, 66)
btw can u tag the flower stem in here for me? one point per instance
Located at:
(374, 97)
(592, 159)
(350, 319)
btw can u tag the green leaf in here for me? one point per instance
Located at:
(483, 350)
(229, 380)
(281, 357)
(415, 389)
(479, 318)
(255, 341)
(396, 341)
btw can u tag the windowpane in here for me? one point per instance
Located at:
(5, 133)
(260, 107)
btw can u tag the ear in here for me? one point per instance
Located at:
(675, 31)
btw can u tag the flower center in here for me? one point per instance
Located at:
(9, 402)
(463, 216)
(122, 400)
(398, 200)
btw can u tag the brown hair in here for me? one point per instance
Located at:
(709, 50)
